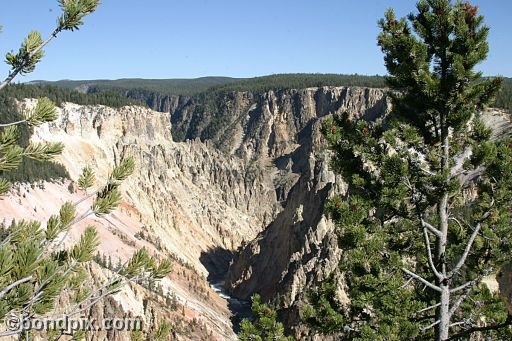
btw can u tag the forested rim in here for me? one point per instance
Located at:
(60, 95)
(207, 90)
(281, 82)
(205, 87)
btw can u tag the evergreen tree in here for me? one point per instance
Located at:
(35, 270)
(426, 216)
(265, 326)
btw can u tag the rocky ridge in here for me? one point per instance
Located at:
(242, 185)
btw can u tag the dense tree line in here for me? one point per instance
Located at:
(60, 95)
(300, 81)
(207, 87)
(179, 87)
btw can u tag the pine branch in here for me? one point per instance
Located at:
(15, 284)
(115, 277)
(458, 336)
(38, 291)
(469, 245)
(28, 57)
(76, 221)
(105, 294)
(422, 280)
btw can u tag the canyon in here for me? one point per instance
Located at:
(232, 188)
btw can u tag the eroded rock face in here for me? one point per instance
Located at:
(194, 197)
(250, 173)
(261, 184)
(299, 247)
(188, 199)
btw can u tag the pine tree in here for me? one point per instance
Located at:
(35, 269)
(265, 325)
(426, 216)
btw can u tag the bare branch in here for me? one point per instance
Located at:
(429, 255)
(406, 283)
(463, 286)
(9, 333)
(457, 303)
(4, 125)
(428, 308)
(460, 323)
(459, 223)
(469, 245)
(422, 280)
(472, 330)
(15, 284)
(430, 326)
(429, 227)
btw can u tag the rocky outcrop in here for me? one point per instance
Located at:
(239, 181)
(282, 131)
(193, 196)
(153, 100)
(268, 124)
(257, 183)
(157, 101)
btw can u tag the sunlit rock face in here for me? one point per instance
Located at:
(235, 189)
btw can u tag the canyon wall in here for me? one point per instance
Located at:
(233, 185)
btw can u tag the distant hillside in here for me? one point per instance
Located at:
(300, 81)
(504, 98)
(61, 94)
(155, 92)
(179, 87)
(191, 87)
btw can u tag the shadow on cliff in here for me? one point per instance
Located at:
(216, 261)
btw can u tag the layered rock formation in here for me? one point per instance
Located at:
(192, 196)
(238, 178)
(185, 200)
(299, 247)
(200, 200)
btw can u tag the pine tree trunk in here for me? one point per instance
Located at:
(442, 312)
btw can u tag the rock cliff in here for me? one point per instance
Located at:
(232, 185)
(256, 181)
(298, 248)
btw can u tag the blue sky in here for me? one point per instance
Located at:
(237, 38)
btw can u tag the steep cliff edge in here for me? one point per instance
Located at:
(238, 177)
(192, 196)
(282, 130)
(185, 200)
(263, 175)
